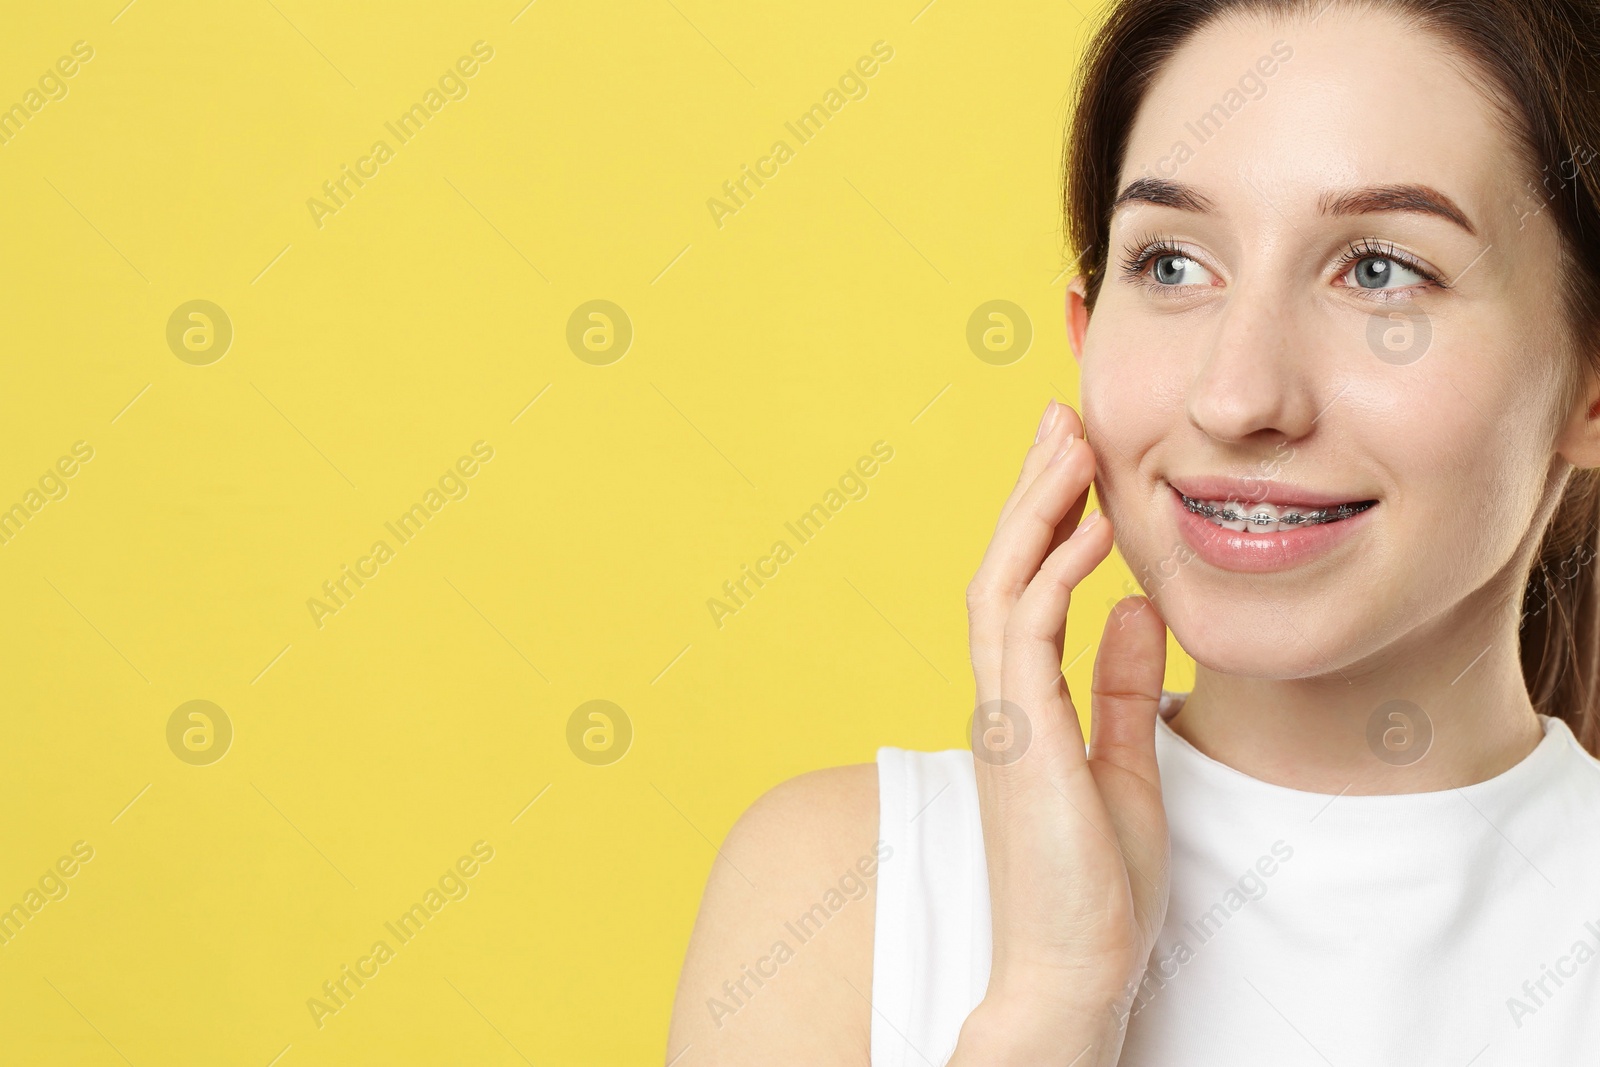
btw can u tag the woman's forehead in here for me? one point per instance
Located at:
(1294, 111)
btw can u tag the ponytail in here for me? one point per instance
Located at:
(1561, 613)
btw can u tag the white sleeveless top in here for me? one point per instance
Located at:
(1451, 928)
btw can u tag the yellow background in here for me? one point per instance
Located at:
(368, 354)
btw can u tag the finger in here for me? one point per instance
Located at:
(1064, 422)
(1031, 672)
(985, 615)
(1125, 696)
(1125, 702)
(1018, 549)
(1054, 501)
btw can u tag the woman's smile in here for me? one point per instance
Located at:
(1268, 536)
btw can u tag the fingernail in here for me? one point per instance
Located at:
(1066, 447)
(1088, 521)
(1048, 420)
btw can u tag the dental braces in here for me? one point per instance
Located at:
(1342, 511)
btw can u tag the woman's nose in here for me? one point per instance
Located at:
(1257, 372)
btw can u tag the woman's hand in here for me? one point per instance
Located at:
(1076, 845)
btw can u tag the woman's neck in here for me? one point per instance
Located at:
(1447, 710)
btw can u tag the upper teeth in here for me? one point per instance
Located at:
(1266, 518)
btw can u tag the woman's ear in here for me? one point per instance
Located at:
(1077, 316)
(1579, 443)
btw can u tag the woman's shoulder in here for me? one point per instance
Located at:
(807, 829)
(783, 938)
(795, 891)
(821, 818)
(813, 807)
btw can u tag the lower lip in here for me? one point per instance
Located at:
(1236, 550)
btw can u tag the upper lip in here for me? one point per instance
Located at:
(1259, 491)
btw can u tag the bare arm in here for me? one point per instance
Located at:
(779, 968)
(1075, 842)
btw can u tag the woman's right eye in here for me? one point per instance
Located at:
(1162, 267)
(1174, 268)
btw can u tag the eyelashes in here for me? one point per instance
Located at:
(1371, 248)
(1145, 249)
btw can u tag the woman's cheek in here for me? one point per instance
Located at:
(1105, 395)
(1106, 421)
(1124, 412)
(1447, 470)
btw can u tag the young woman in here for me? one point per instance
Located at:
(1338, 331)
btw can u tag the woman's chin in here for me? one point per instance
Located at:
(1253, 644)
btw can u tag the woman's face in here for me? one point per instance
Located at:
(1329, 281)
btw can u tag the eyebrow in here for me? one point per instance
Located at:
(1418, 199)
(1162, 193)
(1373, 199)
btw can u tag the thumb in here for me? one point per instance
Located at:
(1126, 692)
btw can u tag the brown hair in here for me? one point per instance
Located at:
(1541, 56)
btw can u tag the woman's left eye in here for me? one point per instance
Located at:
(1381, 272)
